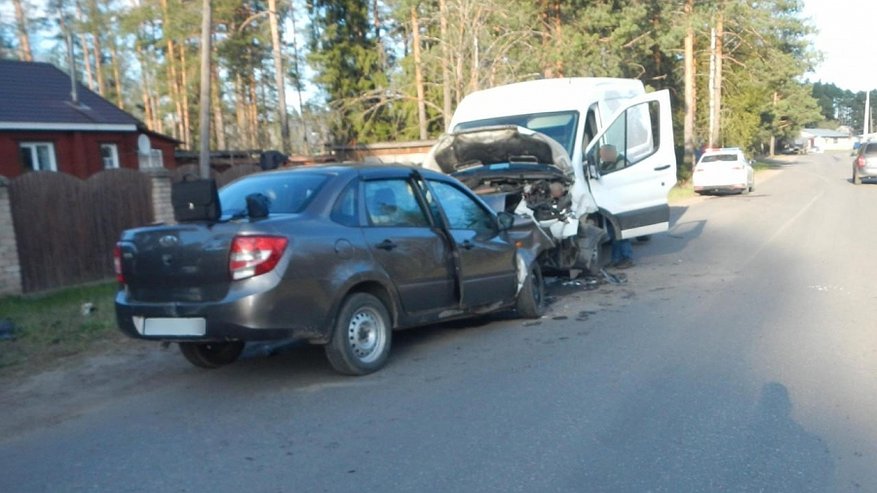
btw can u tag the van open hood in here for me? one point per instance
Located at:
(487, 146)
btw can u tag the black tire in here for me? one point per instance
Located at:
(857, 180)
(531, 297)
(211, 355)
(362, 336)
(643, 239)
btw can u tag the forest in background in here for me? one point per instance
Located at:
(363, 71)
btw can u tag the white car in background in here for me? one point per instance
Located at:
(723, 170)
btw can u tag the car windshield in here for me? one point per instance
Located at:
(712, 158)
(289, 193)
(560, 126)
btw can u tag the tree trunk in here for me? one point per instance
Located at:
(24, 51)
(773, 139)
(474, 69)
(446, 67)
(418, 74)
(545, 38)
(145, 85)
(279, 77)
(95, 20)
(117, 74)
(172, 80)
(216, 98)
(204, 120)
(240, 113)
(688, 126)
(86, 61)
(301, 108)
(184, 94)
(720, 32)
(255, 136)
(98, 64)
(558, 35)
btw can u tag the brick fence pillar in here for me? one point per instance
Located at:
(10, 269)
(162, 208)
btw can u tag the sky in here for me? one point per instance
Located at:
(846, 38)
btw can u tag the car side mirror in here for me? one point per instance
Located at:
(505, 220)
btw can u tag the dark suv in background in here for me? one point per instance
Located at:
(865, 164)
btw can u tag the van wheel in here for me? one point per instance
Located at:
(531, 297)
(211, 355)
(362, 336)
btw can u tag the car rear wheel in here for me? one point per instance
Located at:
(531, 297)
(362, 336)
(211, 354)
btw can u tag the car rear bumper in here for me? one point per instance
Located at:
(737, 187)
(243, 315)
(867, 172)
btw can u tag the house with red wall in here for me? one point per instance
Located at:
(42, 127)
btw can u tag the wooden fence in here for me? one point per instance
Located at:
(66, 228)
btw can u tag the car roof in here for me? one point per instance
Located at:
(367, 170)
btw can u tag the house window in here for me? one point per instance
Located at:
(37, 156)
(109, 155)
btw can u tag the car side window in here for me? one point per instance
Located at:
(463, 212)
(393, 203)
(346, 208)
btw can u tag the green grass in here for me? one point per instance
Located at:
(680, 192)
(52, 326)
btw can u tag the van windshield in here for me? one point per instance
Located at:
(560, 125)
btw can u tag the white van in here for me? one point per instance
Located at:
(534, 148)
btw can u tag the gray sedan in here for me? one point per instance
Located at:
(337, 256)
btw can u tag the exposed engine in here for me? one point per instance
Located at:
(547, 199)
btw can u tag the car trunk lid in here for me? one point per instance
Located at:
(186, 262)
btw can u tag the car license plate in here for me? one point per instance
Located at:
(171, 326)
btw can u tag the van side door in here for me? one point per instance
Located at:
(632, 188)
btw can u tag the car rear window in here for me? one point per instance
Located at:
(288, 194)
(871, 148)
(712, 158)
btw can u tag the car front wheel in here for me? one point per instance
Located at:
(211, 354)
(362, 336)
(531, 297)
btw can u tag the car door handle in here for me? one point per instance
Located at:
(662, 168)
(387, 245)
(468, 245)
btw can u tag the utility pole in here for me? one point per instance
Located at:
(204, 117)
(279, 77)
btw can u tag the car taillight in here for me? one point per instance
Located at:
(860, 161)
(117, 263)
(254, 255)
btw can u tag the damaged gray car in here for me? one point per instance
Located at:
(338, 256)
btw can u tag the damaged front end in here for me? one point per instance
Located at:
(529, 174)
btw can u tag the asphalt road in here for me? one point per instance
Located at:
(741, 355)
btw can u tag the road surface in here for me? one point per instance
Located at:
(741, 355)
